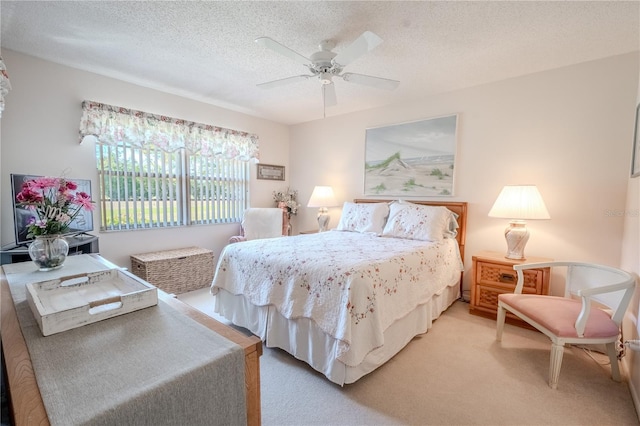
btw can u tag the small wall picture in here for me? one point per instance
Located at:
(270, 172)
(411, 159)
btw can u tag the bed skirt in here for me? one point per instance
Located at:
(304, 340)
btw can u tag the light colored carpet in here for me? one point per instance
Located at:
(456, 374)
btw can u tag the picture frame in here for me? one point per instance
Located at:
(411, 159)
(635, 154)
(270, 172)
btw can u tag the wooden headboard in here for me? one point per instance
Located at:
(458, 207)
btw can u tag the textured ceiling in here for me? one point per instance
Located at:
(206, 50)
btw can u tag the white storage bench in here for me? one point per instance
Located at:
(175, 271)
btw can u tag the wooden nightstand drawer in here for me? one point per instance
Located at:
(503, 276)
(487, 297)
(493, 274)
(486, 301)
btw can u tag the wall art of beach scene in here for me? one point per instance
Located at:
(411, 159)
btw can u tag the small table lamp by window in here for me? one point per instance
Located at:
(518, 202)
(322, 197)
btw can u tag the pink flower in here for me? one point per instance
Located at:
(84, 200)
(71, 185)
(29, 196)
(44, 183)
(54, 203)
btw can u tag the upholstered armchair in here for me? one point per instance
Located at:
(578, 317)
(260, 222)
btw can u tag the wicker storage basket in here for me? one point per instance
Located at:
(175, 271)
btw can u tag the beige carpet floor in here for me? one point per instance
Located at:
(456, 374)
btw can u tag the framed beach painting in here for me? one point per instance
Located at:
(411, 159)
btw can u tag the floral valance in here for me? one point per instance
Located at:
(116, 125)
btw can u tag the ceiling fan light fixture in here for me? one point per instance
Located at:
(325, 64)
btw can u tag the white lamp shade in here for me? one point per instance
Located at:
(322, 196)
(519, 202)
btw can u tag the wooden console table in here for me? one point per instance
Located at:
(27, 406)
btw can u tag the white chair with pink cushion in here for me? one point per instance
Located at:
(577, 318)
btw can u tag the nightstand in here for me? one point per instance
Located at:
(493, 274)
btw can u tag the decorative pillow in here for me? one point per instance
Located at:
(364, 217)
(452, 229)
(418, 222)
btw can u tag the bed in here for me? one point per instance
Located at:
(347, 300)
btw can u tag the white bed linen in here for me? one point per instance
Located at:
(350, 287)
(302, 339)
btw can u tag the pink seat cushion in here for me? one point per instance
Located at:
(559, 315)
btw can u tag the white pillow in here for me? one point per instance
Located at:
(418, 222)
(363, 217)
(452, 229)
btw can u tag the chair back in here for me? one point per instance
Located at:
(262, 222)
(583, 277)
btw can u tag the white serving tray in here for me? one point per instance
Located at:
(70, 302)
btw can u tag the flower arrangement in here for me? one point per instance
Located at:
(287, 200)
(55, 203)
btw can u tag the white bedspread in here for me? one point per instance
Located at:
(352, 285)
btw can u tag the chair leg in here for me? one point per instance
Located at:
(557, 351)
(502, 312)
(613, 359)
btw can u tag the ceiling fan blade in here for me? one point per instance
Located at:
(282, 49)
(283, 81)
(368, 80)
(329, 95)
(363, 44)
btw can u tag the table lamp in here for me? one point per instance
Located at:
(322, 197)
(518, 202)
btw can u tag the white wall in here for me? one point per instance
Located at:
(565, 130)
(40, 136)
(630, 261)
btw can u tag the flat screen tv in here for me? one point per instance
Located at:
(22, 216)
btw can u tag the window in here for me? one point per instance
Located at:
(157, 172)
(150, 188)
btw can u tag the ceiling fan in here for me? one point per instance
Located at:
(327, 64)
